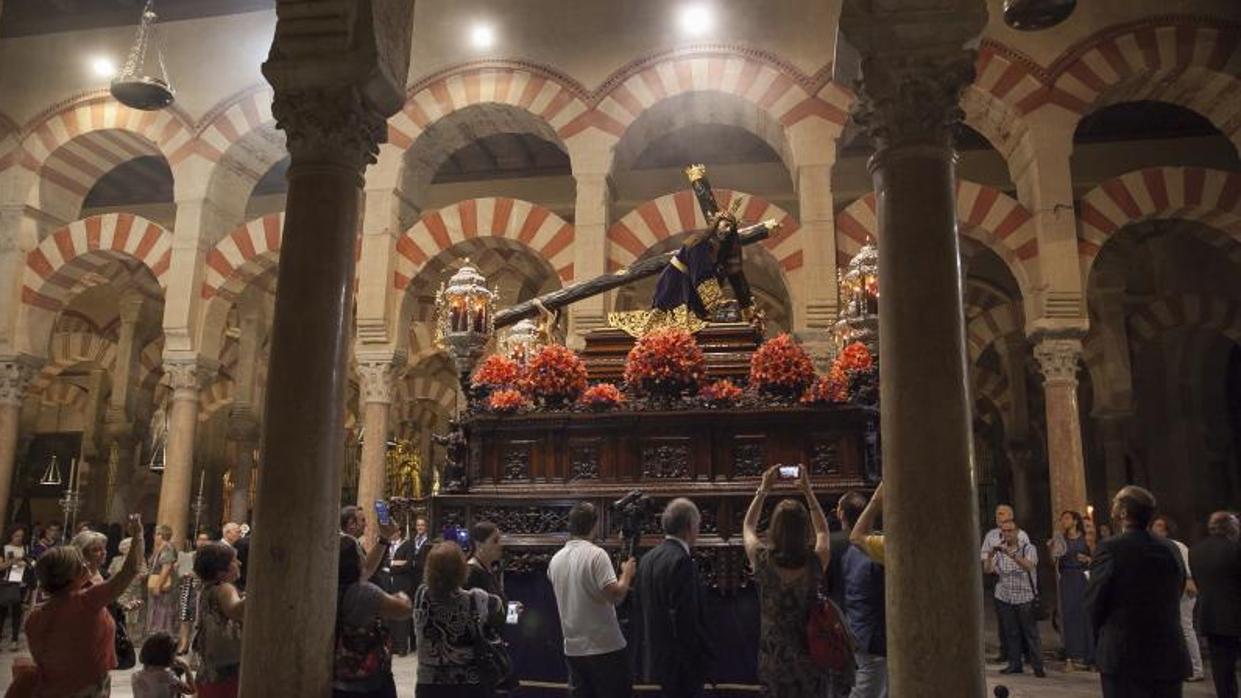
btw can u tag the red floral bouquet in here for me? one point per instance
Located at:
(555, 374)
(604, 396)
(507, 401)
(496, 371)
(721, 393)
(832, 388)
(781, 367)
(854, 357)
(667, 362)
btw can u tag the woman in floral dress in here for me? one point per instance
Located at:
(162, 606)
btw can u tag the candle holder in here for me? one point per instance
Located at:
(70, 502)
(465, 319)
(198, 507)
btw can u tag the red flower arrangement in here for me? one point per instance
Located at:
(555, 374)
(832, 388)
(721, 392)
(604, 396)
(667, 362)
(854, 357)
(496, 371)
(507, 401)
(781, 366)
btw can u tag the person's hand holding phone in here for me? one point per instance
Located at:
(769, 478)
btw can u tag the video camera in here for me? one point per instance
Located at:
(632, 510)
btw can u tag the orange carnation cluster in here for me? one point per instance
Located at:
(721, 392)
(555, 373)
(781, 365)
(668, 361)
(496, 371)
(603, 396)
(832, 388)
(854, 357)
(507, 401)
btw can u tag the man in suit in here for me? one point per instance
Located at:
(1134, 602)
(1216, 562)
(408, 561)
(675, 649)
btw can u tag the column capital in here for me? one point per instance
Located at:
(377, 377)
(188, 376)
(16, 374)
(913, 99)
(1058, 358)
(330, 125)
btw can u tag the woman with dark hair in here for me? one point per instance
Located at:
(481, 573)
(1071, 555)
(447, 619)
(72, 636)
(788, 570)
(363, 659)
(216, 636)
(13, 581)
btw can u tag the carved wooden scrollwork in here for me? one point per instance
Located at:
(515, 461)
(663, 461)
(749, 457)
(584, 462)
(824, 458)
(526, 520)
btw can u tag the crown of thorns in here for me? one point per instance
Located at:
(729, 213)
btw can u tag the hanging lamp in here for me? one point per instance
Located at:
(51, 476)
(135, 86)
(1033, 15)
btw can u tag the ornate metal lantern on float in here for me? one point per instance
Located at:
(859, 301)
(465, 318)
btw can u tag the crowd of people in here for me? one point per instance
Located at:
(1130, 606)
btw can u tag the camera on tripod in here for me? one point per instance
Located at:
(632, 511)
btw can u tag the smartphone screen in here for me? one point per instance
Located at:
(511, 618)
(382, 513)
(790, 471)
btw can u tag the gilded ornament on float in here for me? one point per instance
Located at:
(858, 287)
(403, 471)
(465, 318)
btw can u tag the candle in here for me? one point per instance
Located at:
(73, 474)
(202, 480)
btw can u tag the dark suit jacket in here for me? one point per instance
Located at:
(1216, 565)
(674, 637)
(243, 556)
(403, 578)
(834, 580)
(1134, 602)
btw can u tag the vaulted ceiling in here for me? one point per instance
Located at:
(26, 17)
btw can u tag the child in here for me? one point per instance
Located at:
(162, 675)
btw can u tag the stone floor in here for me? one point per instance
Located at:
(1057, 684)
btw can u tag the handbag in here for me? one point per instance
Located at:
(157, 583)
(830, 643)
(126, 657)
(495, 666)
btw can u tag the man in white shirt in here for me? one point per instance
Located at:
(990, 542)
(587, 592)
(1163, 527)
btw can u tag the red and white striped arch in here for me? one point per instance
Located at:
(985, 214)
(432, 381)
(1183, 61)
(68, 349)
(991, 325)
(992, 387)
(542, 93)
(549, 235)
(1211, 197)
(772, 87)
(1216, 313)
(242, 255)
(48, 276)
(233, 119)
(659, 219)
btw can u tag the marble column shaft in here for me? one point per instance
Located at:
(377, 378)
(176, 486)
(15, 377)
(1058, 358)
(934, 620)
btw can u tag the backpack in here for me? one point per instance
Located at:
(362, 652)
(828, 639)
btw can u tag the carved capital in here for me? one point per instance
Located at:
(15, 376)
(187, 377)
(330, 125)
(1058, 358)
(377, 379)
(912, 98)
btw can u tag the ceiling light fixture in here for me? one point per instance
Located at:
(482, 36)
(103, 67)
(696, 20)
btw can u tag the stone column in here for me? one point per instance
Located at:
(337, 77)
(1114, 433)
(1058, 358)
(377, 379)
(591, 220)
(187, 377)
(912, 79)
(15, 376)
(243, 430)
(815, 301)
